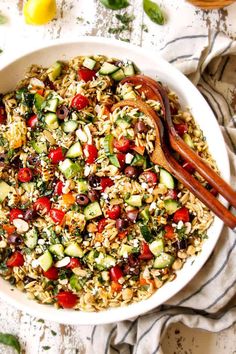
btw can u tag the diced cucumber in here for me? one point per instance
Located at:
(89, 63)
(140, 161)
(28, 187)
(145, 214)
(108, 68)
(90, 257)
(76, 283)
(135, 200)
(167, 179)
(82, 186)
(39, 146)
(38, 101)
(146, 233)
(74, 151)
(4, 190)
(51, 121)
(118, 75)
(123, 123)
(54, 71)
(129, 70)
(45, 261)
(114, 160)
(31, 238)
(163, 260)
(74, 250)
(171, 206)
(188, 140)
(125, 250)
(104, 261)
(57, 250)
(108, 144)
(157, 247)
(69, 168)
(130, 95)
(69, 126)
(51, 105)
(92, 211)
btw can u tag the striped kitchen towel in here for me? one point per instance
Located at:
(207, 302)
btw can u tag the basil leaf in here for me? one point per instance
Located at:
(153, 11)
(11, 341)
(115, 4)
(3, 19)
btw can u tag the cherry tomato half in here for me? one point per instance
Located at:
(58, 188)
(56, 155)
(16, 213)
(79, 102)
(121, 159)
(66, 299)
(181, 215)
(106, 182)
(51, 273)
(57, 215)
(114, 212)
(145, 254)
(181, 128)
(90, 153)
(148, 177)
(25, 174)
(3, 115)
(169, 231)
(16, 260)
(32, 121)
(101, 225)
(116, 273)
(86, 74)
(74, 263)
(123, 144)
(43, 205)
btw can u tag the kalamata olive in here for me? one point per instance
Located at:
(148, 177)
(93, 195)
(82, 199)
(121, 224)
(132, 266)
(14, 239)
(140, 127)
(182, 244)
(132, 215)
(62, 112)
(30, 214)
(16, 162)
(131, 172)
(94, 181)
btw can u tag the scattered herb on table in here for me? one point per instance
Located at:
(153, 11)
(1, 51)
(46, 347)
(115, 4)
(3, 19)
(126, 24)
(144, 28)
(11, 341)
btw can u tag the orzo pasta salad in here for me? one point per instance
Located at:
(86, 220)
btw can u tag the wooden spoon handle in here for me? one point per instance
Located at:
(205, 171)
(200, 192)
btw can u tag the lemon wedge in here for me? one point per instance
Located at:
(39, 12)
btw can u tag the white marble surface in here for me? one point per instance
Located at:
(16, 37)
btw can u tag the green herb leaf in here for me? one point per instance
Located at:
(115, 4)
(3, 19)
(10, 340)
(153, 11)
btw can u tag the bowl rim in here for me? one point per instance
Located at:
(131, 311)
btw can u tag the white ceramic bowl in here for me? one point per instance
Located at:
(152, 65)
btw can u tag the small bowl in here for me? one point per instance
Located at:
(211, 4)
(151, 64)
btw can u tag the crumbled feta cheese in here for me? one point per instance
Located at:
(153, 206)
(63, 262)
(86, 171)
(135, 242)
(150, 190)
(81, 135)
(180, 225)
(104, 195)
(63, 281)
(128, 158)
(35, 263)
(41, 241)
(144, 185)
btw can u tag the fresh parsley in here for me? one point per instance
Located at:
(153, 11)
(11, 341)
(115, 4)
